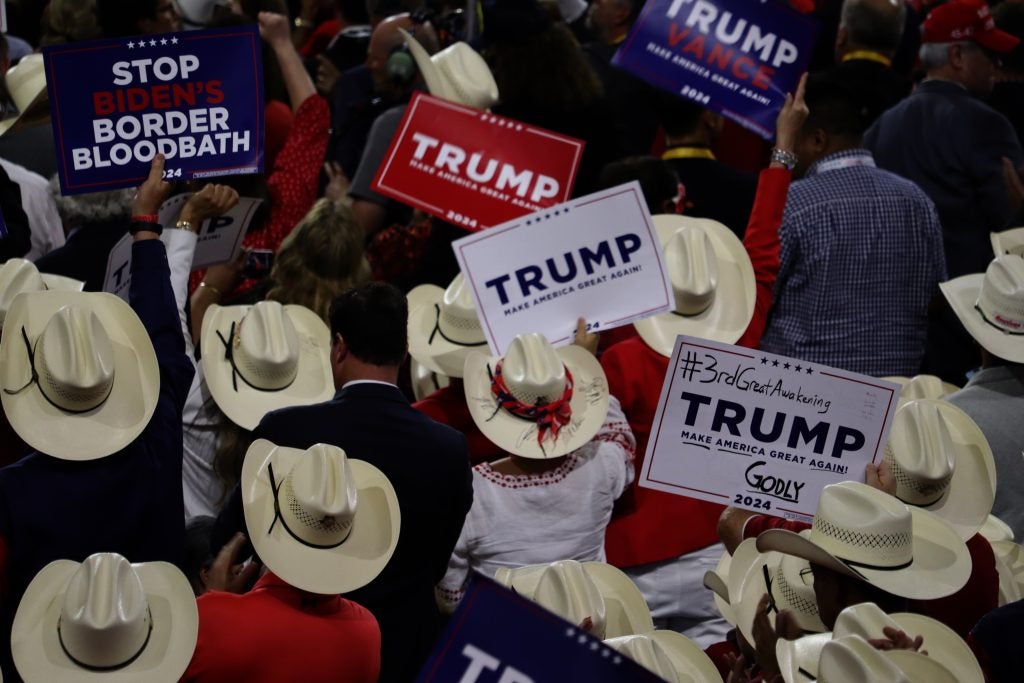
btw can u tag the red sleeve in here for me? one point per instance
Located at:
(759, 523)
(762, 243)
(963, 609)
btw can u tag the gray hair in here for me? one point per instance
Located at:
(94, 207)
(874, 24)
(934, 55)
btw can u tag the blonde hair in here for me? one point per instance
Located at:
(321, 258)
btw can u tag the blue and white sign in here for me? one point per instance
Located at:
(750, 429)
(496, 636)
(736, 57)
(595, 257)
(196, 97)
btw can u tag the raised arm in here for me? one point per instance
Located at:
(274, 30)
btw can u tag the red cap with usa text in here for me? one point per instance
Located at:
(966, 20)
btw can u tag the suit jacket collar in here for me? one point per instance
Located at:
(373, 391)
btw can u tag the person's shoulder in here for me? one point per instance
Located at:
(289, 418)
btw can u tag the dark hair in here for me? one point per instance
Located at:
(657, 179)
(874, 25)
(835, 107)
(372, 319)
(677, 115)
(354, 11)
(120, 18)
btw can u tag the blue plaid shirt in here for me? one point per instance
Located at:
(861, 258)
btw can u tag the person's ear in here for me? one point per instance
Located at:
(339, 349)
(956, 55)
(820, 140)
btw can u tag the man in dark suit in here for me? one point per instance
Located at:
(427, 463)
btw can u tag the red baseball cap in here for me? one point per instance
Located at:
(966, 20)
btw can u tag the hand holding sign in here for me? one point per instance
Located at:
(211, 201)
(791, 118)
(152, 193)
(274, 29)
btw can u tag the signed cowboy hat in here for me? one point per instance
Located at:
(264, 357)
(78, 372)
(18, 275)
(922, 386)
(1010, 567)
(457, 73)
(105, 619)
(865, 534)
(537, 401)
(851, 659)
(444, 327)
(26, 82)
(319, 520)
(786, 579)
(1008, 242)
(991, 306)
(942, 462)
(579, 590)
(668, 654)
(712, 281)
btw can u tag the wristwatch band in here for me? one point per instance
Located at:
(784, 157)
(139, 225)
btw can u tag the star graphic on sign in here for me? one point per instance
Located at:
(570, 632)
(131, 45)
(594, 646)
(174, 41)
(798, 368)
(764, 361)
(163, 41)
(786, 366)
(809, 371)
(581, 639)
(152, 43)
(775, 363)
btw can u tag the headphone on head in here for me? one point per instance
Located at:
(401, 66)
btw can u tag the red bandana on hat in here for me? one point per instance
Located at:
(548, 416)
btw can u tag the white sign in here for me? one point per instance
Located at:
(220, 239)
(754, 430)
(595, 257)
(3, 16)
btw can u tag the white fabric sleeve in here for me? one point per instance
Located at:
(617, 447)
(453, 585)
(181, 248)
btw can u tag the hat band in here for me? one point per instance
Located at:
(276, 489)
(999, 327)
(549, 417)
(849, 538)
(112, 667)
(437, 330)
(34, 379)
(236, 373)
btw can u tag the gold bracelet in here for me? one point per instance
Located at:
(203, 285)
(186, 225)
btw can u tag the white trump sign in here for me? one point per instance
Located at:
(595, 257)
(754, 430)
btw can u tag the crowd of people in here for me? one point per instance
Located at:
(293, 471)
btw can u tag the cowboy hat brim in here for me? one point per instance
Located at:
(1010, 567)
(61, 284)
(995, 529)
(351, 565)
(940, 566)
(798, 659)
(714, 582)
(920, 667)
(431, 350)
(36, 647)
(689, 661)
(516, 435)
(477, 77)
(962, 295)
(728, 316)
(943, 645)
(105, 429)
(945, 387)
(968, 499)
(245, 405)
(753, 587)
(1008, 242)
(425, 381)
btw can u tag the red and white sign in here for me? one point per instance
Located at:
(474, 169)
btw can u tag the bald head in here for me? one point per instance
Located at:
(386, 37)
(871, 25)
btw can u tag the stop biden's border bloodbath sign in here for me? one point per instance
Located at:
(196, 97)
(763, 432)
(474, 169)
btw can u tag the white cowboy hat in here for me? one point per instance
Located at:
(922, 386)
(788, 582)
(18, 275)
(712, 280)
(995, 529)
(425, 381)
(444, 327)
(318, 520)
(1010, 567)
(265, 357)
(991, 306)
(534, 373)
(1008, 242)
(670, 655)
(942, 462)
(865, 534)
(851, 659)
(578, 590)
(105, 620)
(457, 73)
(26, 82)
(798, 659)
(78, 371)
(717, 581)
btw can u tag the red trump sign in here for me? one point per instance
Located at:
(474, 169)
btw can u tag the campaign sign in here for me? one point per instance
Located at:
(472, 168)
(497, 636)
(736, 57)
(196, 97)
(597, 257)
(220, 239)
(763, 432)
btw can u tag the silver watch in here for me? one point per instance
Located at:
(784, 157)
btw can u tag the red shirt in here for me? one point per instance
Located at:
(648, 525)
(959, 611)
(276, 632)
(448, 406)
